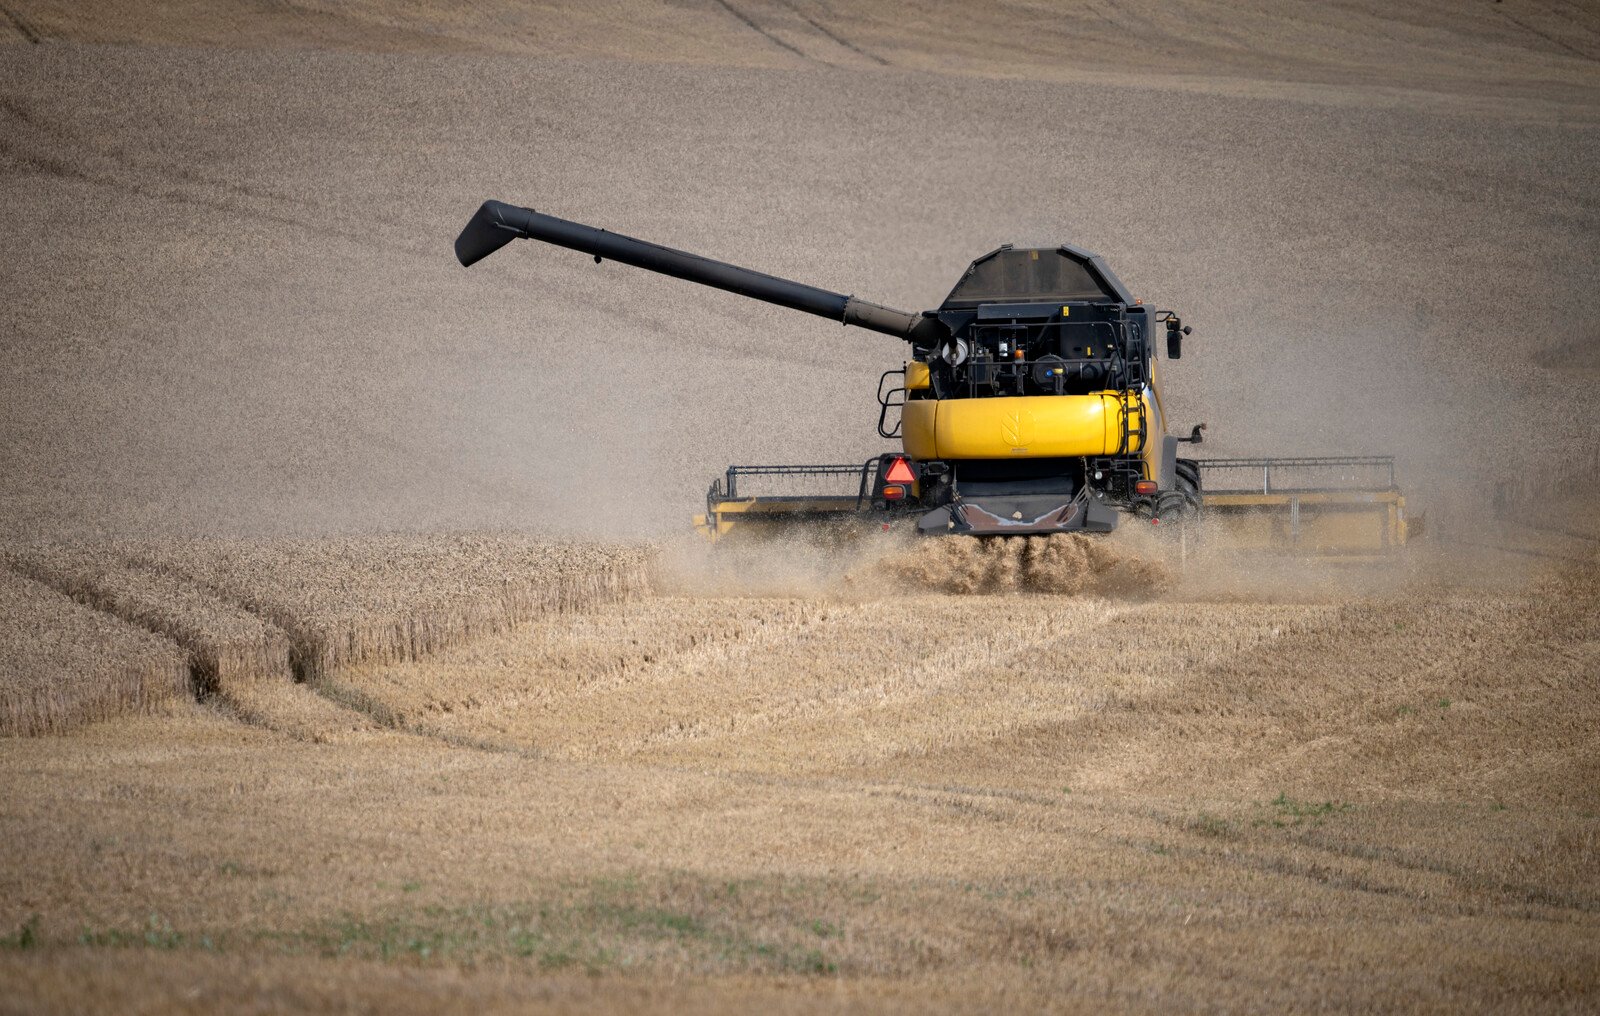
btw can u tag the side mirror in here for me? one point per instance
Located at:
(1175, 336)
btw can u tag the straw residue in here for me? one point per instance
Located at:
(1068, 563)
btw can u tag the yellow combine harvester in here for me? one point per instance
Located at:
(1029, 405)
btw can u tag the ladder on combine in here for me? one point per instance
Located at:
(1342, 506)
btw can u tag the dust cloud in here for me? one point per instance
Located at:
(821, 564)
(1069, 563)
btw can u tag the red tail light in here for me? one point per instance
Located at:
(894, 492)
(900, 472)
(1144, 487)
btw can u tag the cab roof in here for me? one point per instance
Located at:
(1023, 275)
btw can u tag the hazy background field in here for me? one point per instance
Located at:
(231, 303)
(374, 741)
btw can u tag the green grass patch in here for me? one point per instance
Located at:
(157, 933)
(668, 921)
(27, 936)
(1288, 812)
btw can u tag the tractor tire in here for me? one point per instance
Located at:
(1182, 504)
(1189, 481)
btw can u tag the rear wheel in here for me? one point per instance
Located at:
(1183, 501)
(1178, 505)
(1189, 481)
(1181, 505)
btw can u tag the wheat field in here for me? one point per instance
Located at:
(355, 654)
(66, 664)
(254, 619)
(1374, 787)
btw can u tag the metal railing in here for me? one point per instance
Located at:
(1328, 473)
(887, 401)
(726, 487)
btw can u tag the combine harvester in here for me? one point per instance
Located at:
(1029, 405)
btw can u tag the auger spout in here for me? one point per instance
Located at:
(496, 224)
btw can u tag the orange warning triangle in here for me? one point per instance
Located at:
(900, 472)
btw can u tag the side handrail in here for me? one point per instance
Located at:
(726, 488)
(1266, 466)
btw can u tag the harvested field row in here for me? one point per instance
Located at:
(775, 684)
(63, 664)
(1434, 695)
(1395, 692)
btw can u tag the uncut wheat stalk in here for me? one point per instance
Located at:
(63, 664)
(227, 646)
(354, 600)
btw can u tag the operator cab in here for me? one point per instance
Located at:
(1038, 321)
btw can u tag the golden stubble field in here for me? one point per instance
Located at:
(570, 777)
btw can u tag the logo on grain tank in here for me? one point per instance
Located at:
(1016, 429)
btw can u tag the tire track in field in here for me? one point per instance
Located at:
(905, 665)
(48, 150)
(1554, 40)
(24, 29)
(249, 679)
(834, 36)
(812, 40)
(1361, 875)
(756, 27)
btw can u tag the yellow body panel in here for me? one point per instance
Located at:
(916, 376)
(1029, 426)
(1157, 423)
